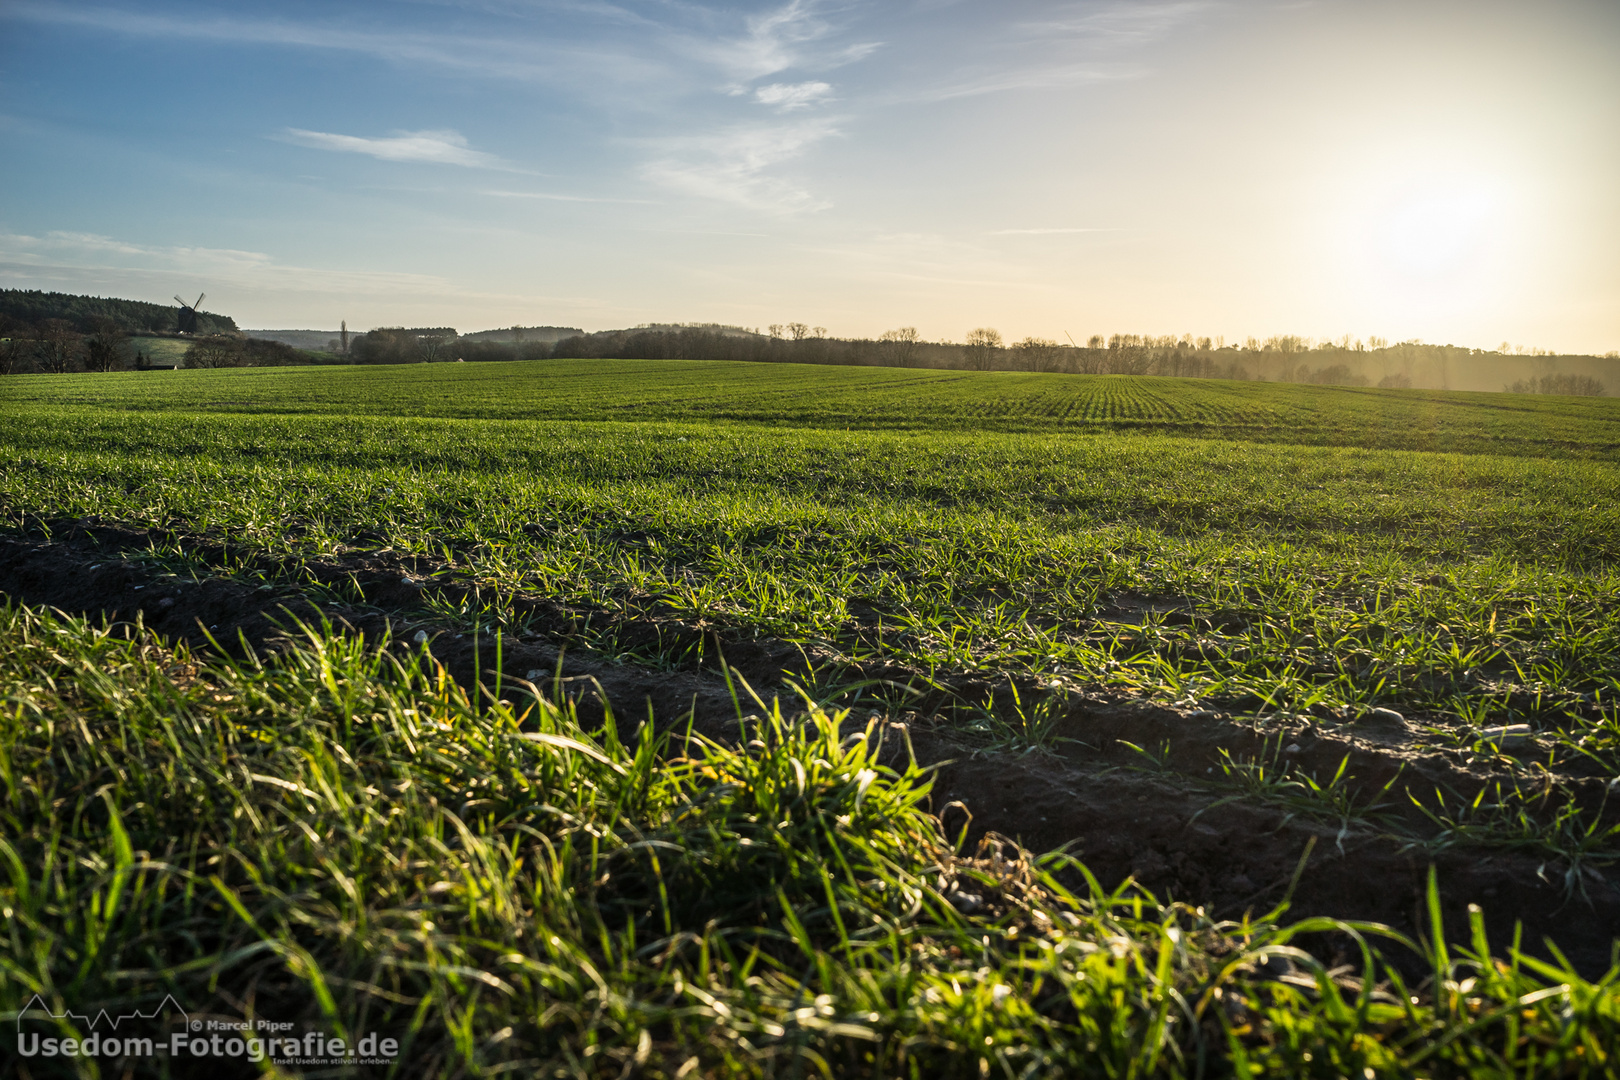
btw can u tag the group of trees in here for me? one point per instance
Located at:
(517, 335)
(54, 346)
(1566, 383)
(56, 333)
(437, 344)
(235, 350)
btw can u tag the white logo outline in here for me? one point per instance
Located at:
(90, 1024)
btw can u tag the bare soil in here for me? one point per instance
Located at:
(1168, 826)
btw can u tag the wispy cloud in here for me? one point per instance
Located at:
(773, 41)
(1114, 24)
(1049, 76)
(1045, 232)
(732, 166)
(787, 97)
(439, 147)
(524, 57)
(1071, 44)
(548, 196)
(93, 251)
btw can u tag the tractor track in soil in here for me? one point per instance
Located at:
(1177, 834)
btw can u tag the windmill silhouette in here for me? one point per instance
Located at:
(187, 322)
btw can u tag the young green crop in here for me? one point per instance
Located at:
(339, 837)
(1167, 540)
(797, 395)
(1476, 589)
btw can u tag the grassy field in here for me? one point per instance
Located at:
(885, 399)
(160, 350)
(1284, 557)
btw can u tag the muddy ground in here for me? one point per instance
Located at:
(1162, 820)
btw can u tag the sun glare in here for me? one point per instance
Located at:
(1435, 231)
(1415, 246)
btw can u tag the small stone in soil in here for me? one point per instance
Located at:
(1506, 733)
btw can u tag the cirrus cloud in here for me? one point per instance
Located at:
(438, 147)
(786, 97)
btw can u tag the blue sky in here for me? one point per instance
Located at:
(1417, 169)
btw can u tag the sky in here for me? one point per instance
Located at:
(1413, 169)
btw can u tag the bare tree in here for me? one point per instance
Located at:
(1038, 354)
(798, 331)
(214, 351)
(106, 349)
(58, 346)
(982, 344)
(899, 347)
(431, 345)
(15, 350)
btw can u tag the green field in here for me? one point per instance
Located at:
(886, 399)
(983, 556)
(159, 350)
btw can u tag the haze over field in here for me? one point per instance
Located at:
(1433, 170)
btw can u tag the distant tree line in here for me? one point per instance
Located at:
(235, 350)
(27, 308)
(96, 339)
(1343, 361)
(54, 347)
(1340, 362)
(433, 344)
(517, 335)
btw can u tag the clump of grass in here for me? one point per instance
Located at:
(1022, 727)
(1510, 816)
(1270, 776)
(340, 836)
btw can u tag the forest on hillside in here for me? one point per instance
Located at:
(22, 309)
